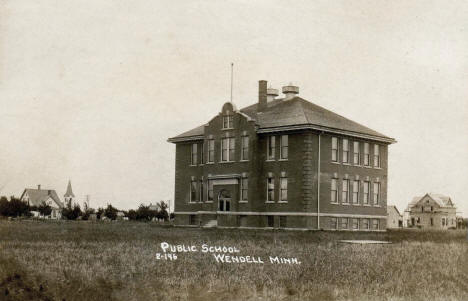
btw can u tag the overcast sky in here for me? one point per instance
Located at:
(91, 90)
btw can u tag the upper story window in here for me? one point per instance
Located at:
(334, 191)
(271, 148)
(366, 192)
(270, 189)
(375, 224)
(284, 144)
(245, 148)
(334, 149)
(365, 224)
(228, 122)
(345, 192)
(355, 224)
(283, 189)
(366, 155)
(376, 193)
(356, 192)
(194, 156)
(376, 155)
(202, 153)
(211, 150)
(345, 151)
(356, 153)
(228, 149)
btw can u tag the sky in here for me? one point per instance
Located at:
(91, 90)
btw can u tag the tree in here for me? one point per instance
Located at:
(86, 213)
(145, 213)
(162, 211)
(110, 212)
(131, 214)
(44, 209)
(18, 207)
(71, 213)
(4, 206)
(100, 213)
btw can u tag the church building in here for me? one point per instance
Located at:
(281, 163)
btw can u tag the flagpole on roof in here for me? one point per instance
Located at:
(232, 76)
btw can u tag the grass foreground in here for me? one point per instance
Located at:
(60, 260)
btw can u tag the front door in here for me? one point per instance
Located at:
(224, 200)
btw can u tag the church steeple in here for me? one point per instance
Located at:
(69, 196)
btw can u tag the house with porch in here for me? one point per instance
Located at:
(431, 211)
(35, 197)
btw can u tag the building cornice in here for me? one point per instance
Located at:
(326, 130)
(297, 128)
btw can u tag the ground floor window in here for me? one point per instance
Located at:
(192, 219)
(282, 221)
(270, 221)
(344, 223)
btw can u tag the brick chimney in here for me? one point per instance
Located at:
(262, 95)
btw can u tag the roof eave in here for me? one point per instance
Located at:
(185, 139)
(326, 129)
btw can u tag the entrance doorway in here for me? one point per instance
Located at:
(224, 200)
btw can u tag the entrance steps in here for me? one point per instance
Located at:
(210, 224)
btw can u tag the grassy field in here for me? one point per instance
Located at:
(116, 261)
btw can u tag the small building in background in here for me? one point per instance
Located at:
(431, 211)
(394, 218)
(35, 197)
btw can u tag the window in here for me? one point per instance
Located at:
(284, 189)
(194, 154)
(270, 189)
(376, 193)
(202, 153)
(443, 221)
(282, 221)
(356, 192)
(192, 219)
(245, 148)
(333, 223)
(244, 189)
(366, 192)
(344, 223)
(365, 224)
(270, 221)
(228, 149)
(210, 191)
(193, 191)
(334, 191)
(432, 221)
(228, 122)
(271, 148)
(202, 190)
(356, 153)
(366, 155)
(345, 192)
(345, 151)
(284, 147)
(355, 224)
(376, 155)
(211, 151)
(334, 149)
(375, 224)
